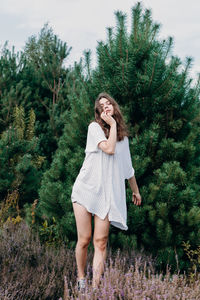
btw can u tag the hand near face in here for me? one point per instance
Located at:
(108, 118)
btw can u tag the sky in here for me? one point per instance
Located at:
(82, 23)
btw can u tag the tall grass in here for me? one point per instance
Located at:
(30, 270)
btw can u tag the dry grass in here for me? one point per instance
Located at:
(138, 282)
(30, 270)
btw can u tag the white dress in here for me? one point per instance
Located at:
(100, 184)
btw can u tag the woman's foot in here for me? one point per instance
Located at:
(94, 289)
(81, 284)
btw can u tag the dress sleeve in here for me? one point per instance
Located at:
(128, 168)
(94, 137)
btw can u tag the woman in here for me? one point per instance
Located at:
(99, 189)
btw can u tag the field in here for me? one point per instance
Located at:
(30, 270)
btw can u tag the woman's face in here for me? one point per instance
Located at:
(106, 106)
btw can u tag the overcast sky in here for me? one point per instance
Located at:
(81, 23)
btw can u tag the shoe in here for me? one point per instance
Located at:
(81, 285)
(94, 289)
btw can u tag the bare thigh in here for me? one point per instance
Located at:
(101, 228)
(83, 221)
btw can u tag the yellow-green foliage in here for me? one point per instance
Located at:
(24, 130)
(194, 258)
(19, 121)
(49, 233)
(20, 135)
(33, 211)
(9, 211)
(16, 220)
(30, 129)
(38, 161)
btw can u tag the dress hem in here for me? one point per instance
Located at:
(94, 213)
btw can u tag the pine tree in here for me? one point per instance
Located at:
(36, 79)
(20, 162)
(57, 182)
(9, 67)
(161, 107)
(44, 58)
(47, 54)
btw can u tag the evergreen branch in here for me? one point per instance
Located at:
(189, 60)
(30, 127)
(147, 22)
(153, 70)
(44, 104)
(197, 87)
(126, 59)
(113, 62)
(168, 77)
(82, 80)
(109, 56)
(110, 41)
(155, 30)
(170, 41)
(136, 13)
(169, 91)
(54, 94)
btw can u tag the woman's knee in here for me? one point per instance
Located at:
(83, 242)
(100, 243)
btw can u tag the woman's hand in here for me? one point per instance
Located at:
(108, 118)
(136, 198)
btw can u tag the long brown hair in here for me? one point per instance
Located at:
(122, 129)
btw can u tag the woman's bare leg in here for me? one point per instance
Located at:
(101, 232)
(84, 232)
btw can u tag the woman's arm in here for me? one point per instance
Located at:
(109, 145)
(136, 197)
(133, 185)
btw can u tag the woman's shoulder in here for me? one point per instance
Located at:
(94, 124)
(125, 139)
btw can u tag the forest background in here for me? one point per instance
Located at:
(45, 111)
